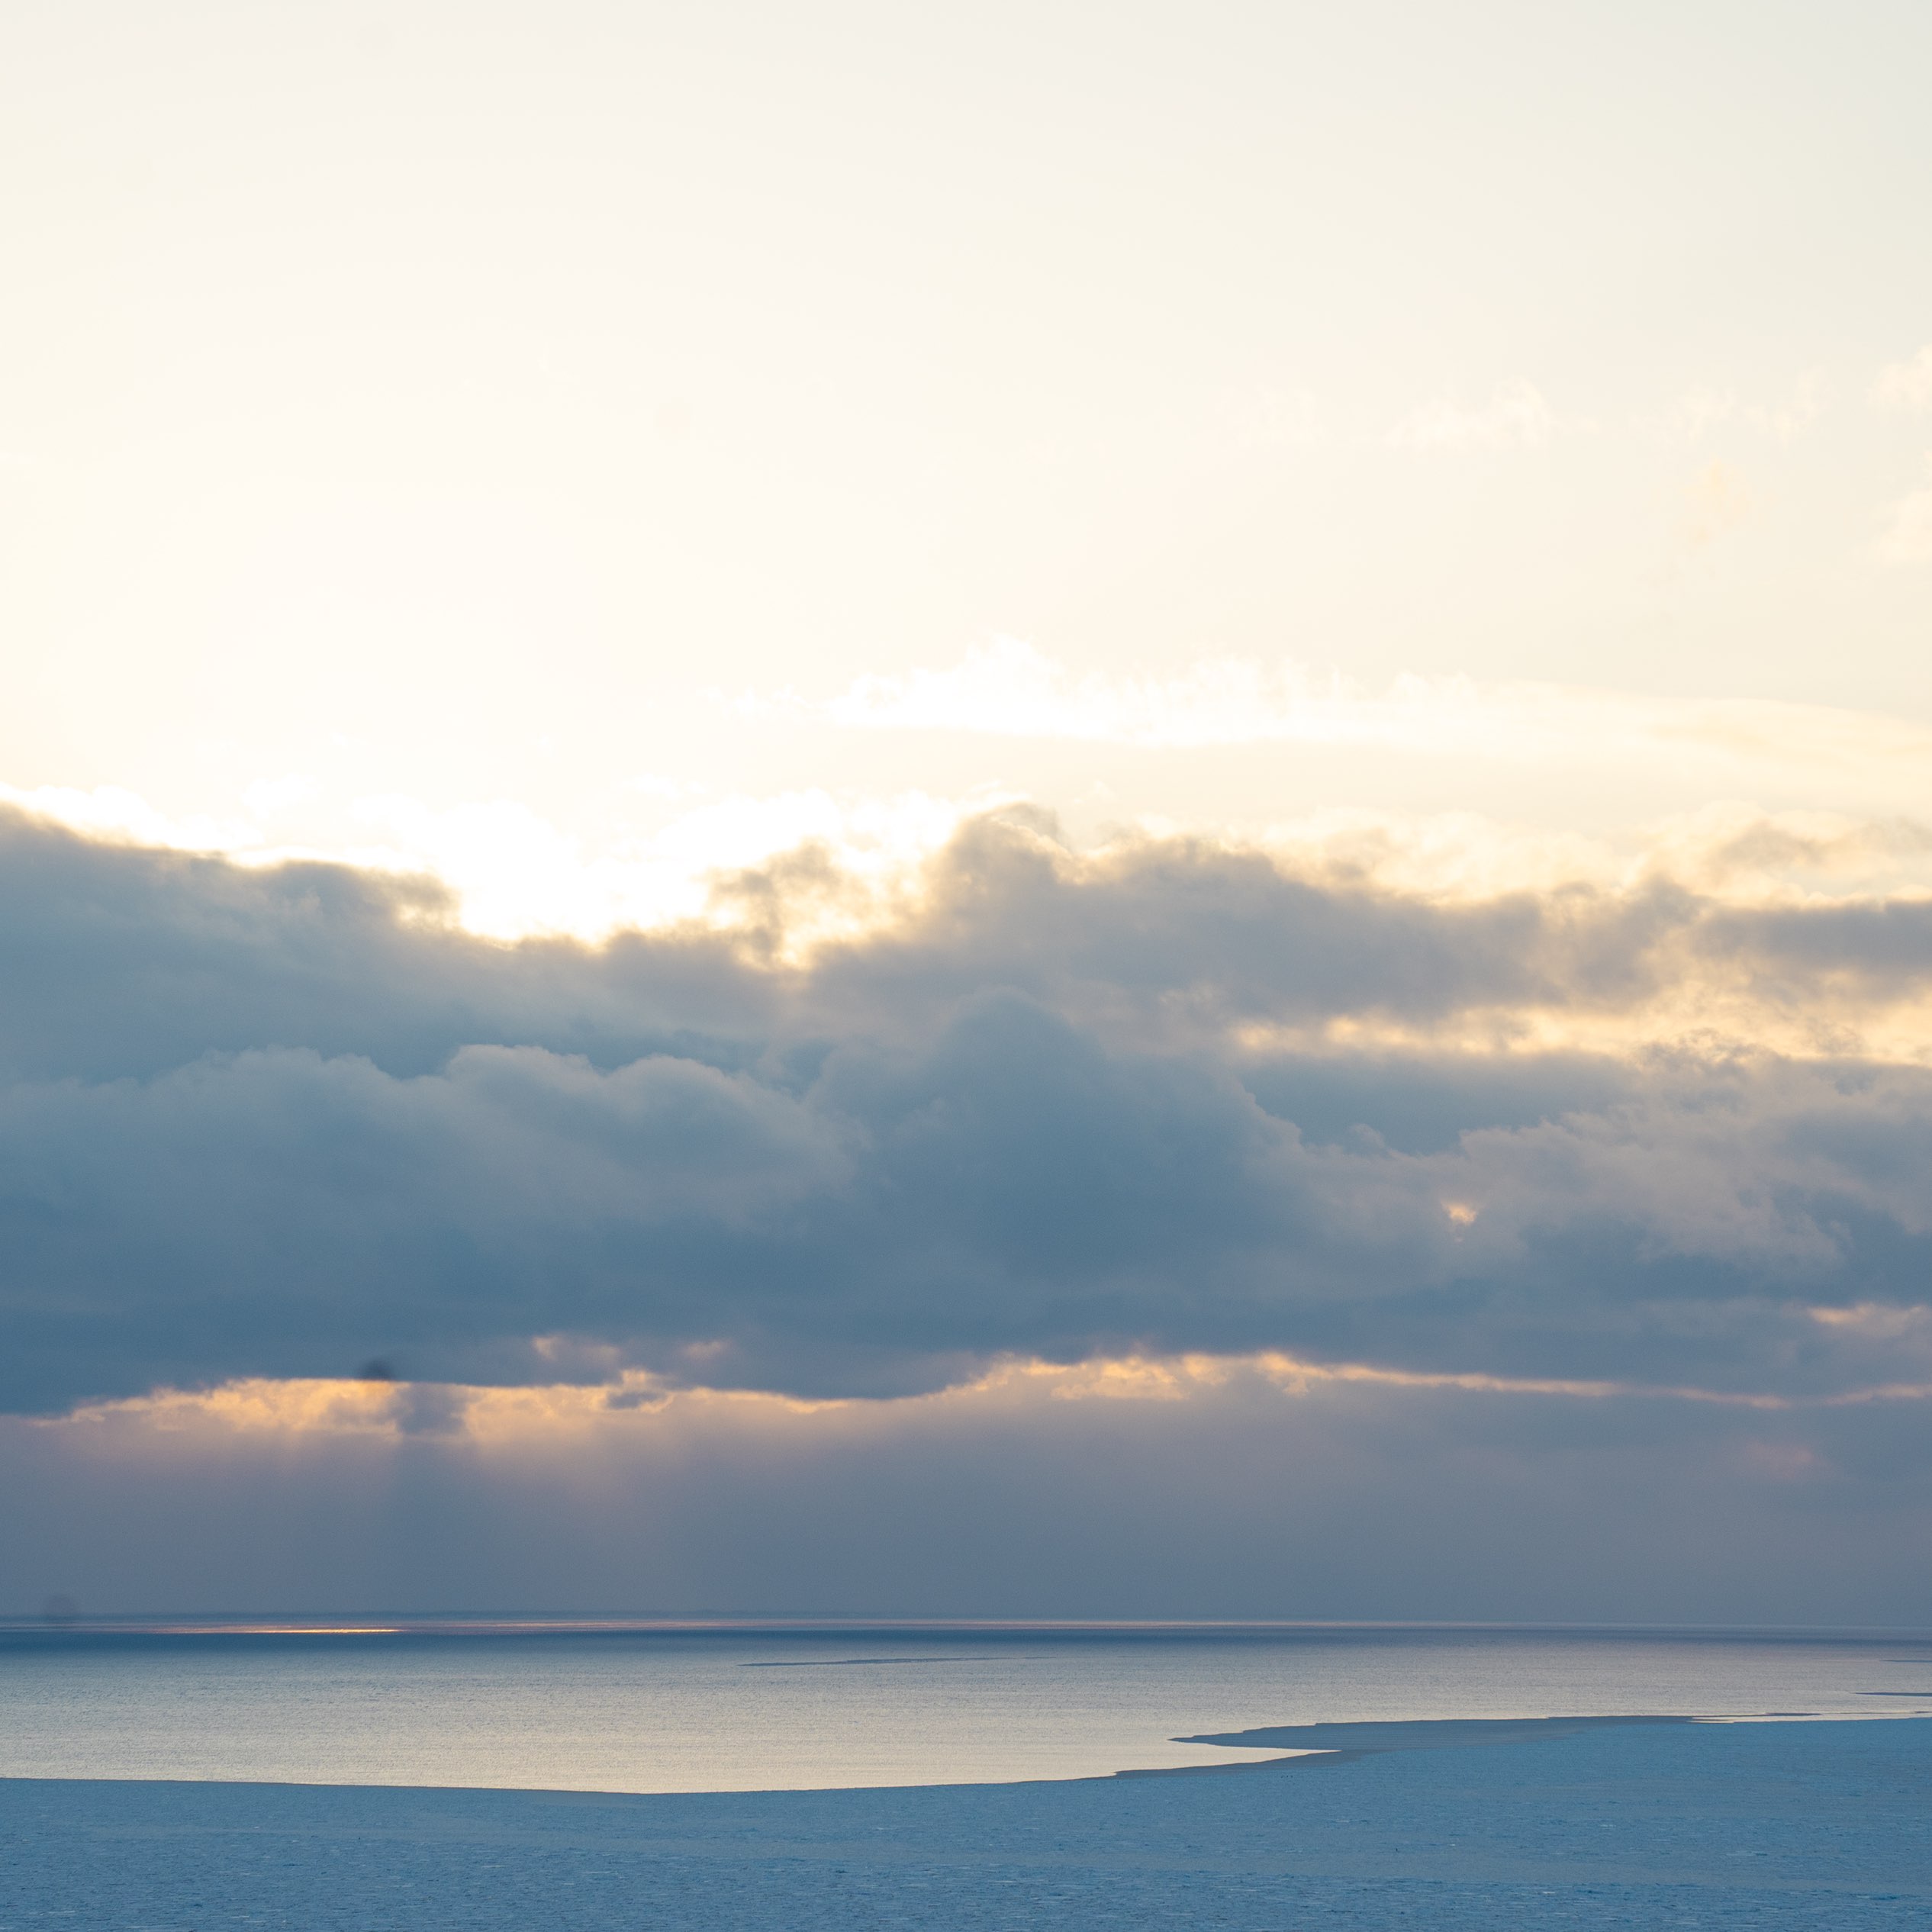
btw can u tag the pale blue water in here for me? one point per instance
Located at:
(1748, 1827)
(769, 1707)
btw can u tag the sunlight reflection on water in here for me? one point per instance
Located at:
(616, 1707)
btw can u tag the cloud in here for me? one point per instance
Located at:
(1170, 1100)
(1009, 689)
(512, 874)
(111, 811)
(1906, 386)
(1696, 414)
(847, 859)
(1906, 537)
(1515, 417)
(515, 874)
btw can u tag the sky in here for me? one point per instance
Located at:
(1018, 811)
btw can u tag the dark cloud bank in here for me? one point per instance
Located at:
(285, 1122)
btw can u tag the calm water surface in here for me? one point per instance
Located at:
(642, 1708)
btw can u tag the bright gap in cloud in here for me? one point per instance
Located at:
(514, 874)
(809, 864)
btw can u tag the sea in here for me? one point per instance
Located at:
(625, 1706)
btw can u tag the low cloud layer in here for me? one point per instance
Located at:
(1173, 1099)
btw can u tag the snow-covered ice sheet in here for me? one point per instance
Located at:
(1763, 1825)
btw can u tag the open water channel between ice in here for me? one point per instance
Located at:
(755, 1708)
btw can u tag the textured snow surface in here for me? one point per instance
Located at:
(1783, 1825)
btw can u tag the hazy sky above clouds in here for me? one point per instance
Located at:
(408, 408)
(808, 754)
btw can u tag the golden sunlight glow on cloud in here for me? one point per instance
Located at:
(1705, 1018)
(512, 874)
(515, 874)
(1848, 799)
(791, 874)
(1872, 1320)
(638, 1405)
